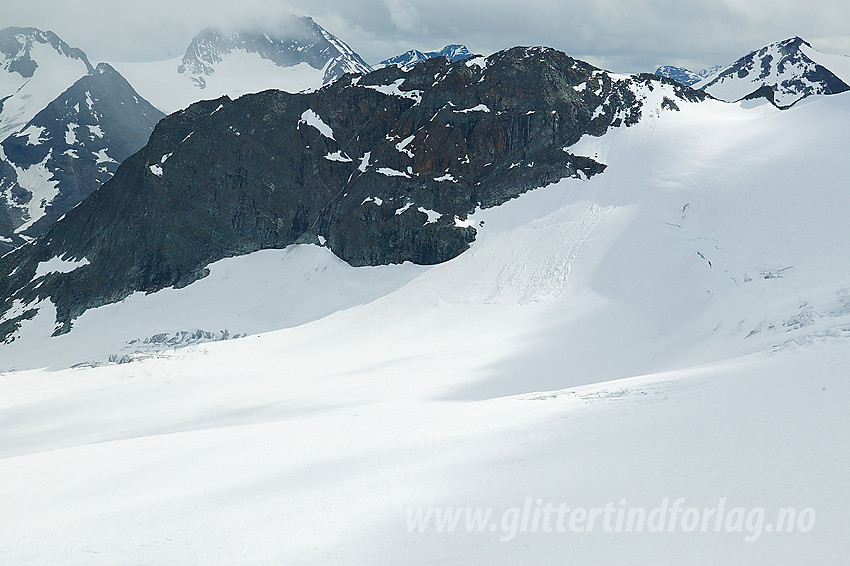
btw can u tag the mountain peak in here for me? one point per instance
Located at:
(35, 67)
(298, 40)
(16, 49)
(782, 66)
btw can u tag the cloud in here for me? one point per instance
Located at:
(621, 35)
(404, 15)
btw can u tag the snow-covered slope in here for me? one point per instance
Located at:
(708, 273)
(782, 71)
(35, 67)
(839, 65)
(299, 55)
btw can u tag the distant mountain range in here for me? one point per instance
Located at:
(410, 59)
(684, 76)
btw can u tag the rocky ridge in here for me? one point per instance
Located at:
(381, 168)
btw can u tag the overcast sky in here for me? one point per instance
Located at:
(619, 35)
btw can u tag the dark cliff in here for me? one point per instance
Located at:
(380, 168)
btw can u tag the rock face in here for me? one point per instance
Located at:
(782, 67)
(300, 40)
(410, 59)
(69, 149)
(381, 168)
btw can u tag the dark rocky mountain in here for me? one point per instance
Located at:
(783, 67)
(409, 59)
(69, 149)
(300, 40)
(381, 168)
(685, 76)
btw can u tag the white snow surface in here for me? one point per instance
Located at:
(59, 265)
(582, 351)
(103, 157)
(390, 172)
(71, 133)
(310, 118)
(433, 215)
(338, 156)
(402, 145)
(364, 162)
(394, 89)
(33, 134)
(39, 181)
(27, 97)
(838, 64)
(479, 108)
(237, 74)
